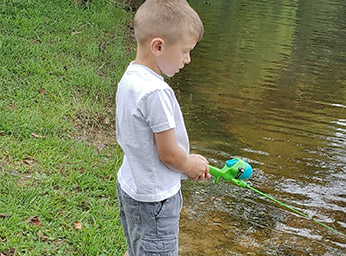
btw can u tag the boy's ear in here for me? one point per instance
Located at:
(156, 46)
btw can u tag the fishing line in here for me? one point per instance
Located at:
(296, 211)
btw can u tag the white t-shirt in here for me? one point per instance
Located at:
(146, 104)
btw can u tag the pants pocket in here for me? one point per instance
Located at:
(170, 207)
(163, 246)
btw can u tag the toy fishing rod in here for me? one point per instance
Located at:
(237, 170)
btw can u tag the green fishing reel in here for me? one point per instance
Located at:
(235, 170)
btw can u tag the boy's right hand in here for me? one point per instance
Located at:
(195, 166)
(199, 169)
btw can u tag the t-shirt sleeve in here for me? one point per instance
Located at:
(157, 109)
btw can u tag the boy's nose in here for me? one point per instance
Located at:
(188, 59)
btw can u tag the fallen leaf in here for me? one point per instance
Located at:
(77, 225)
(11, 252)
(43, 91)
(43, 237)
(28, 161)
(75, 32)
(37, 41)
(34, 220)
(37, 136)
(4, 215)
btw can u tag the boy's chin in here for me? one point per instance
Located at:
(171, 74)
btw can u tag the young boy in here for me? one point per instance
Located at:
(151, 131)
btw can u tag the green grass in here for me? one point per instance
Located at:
(59, 66)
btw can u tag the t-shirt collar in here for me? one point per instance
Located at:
(139, 66)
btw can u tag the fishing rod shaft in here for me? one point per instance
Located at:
(294, 210)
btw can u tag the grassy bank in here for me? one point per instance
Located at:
(59, 65)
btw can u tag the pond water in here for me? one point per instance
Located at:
(268, 84)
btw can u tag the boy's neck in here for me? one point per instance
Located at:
(144, 58)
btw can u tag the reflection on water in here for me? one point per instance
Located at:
(268, 83)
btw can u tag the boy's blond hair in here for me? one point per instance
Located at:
(170, 20)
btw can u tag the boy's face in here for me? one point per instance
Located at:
(175, 57)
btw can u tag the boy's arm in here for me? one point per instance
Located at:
(195, 166)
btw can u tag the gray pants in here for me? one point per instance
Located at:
(151, 228)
